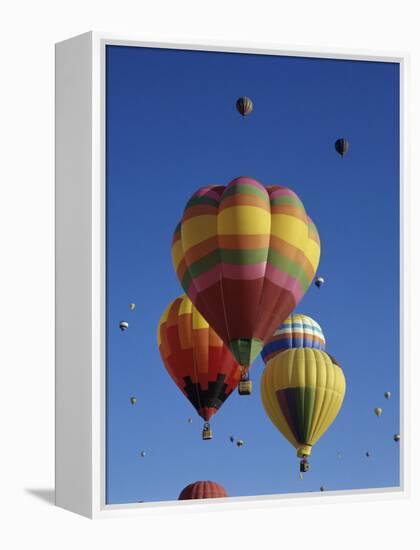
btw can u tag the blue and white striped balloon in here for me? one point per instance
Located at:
(298, 331)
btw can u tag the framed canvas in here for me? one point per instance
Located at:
(231, 289)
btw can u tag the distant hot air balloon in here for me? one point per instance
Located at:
(203, 489)
(190, 421)
(397, 437)
(378, 411)
(197, 359)
(244, 106)
(297, 331)
(387, 395)
(302, 391)
(319, 281)
(342, 146)
(132, 307)
(143, 454)
(231, 439)
(133, 400)
(322, 489)
(245, 254)
(123, 325)
(240, 443)
(367, 454)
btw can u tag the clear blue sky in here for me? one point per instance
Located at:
(172, 127)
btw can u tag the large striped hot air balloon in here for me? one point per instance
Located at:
(302, 391)
(298, 331)
(197, 359)
(245, 254)
(202, 489)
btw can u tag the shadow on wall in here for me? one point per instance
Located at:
(47, 495)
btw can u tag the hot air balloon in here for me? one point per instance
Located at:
(240, 443)
(378, 411)
(322, 489)
(196, 358)
(133, 400)
(132, 307)
(397, 437)
(123, 325)
(302, 391)
(244, 106)
(342, 146)
(367, 454)
(231, 439)
(203, 489)
(245, 254)
(143, 454)
(387, 395)
(297, 331)
(190, 421)
(319, 281)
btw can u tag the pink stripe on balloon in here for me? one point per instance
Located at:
(283, 192)
(207, 279)
(280, 278)
(208, 191)
(244, 272)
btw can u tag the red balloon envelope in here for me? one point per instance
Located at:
(203, 489)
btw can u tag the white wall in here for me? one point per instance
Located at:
(28, 30)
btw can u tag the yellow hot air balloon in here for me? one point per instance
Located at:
(302, 390)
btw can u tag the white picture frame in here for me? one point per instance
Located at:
(80, 277)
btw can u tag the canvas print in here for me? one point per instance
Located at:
(252, 275)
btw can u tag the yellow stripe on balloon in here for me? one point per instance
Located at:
(198, 321)
(244, 220)
(185, 305)
(271, 379)
(177, 254)
(197, 230)
(312, 252)
(163, 319)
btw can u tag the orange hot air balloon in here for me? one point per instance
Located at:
(196, 358)
(202, 489)
(245, 254)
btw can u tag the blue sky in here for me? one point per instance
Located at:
(172, 127)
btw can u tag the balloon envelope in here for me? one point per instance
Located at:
(342, 146)
(196, 358)
(244, 106)
(245, 254)
(378, 411)
(302, 391)
(297, 331)
(123, 325)
(203, 489)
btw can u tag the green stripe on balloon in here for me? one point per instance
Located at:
(244, 257)
(288, 200)
(194, 201)
(243, 189)
(282, 263)
(246, 350)
(297, 404)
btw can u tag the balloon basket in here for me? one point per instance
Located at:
(207, 433)
(245, 387)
